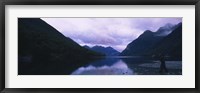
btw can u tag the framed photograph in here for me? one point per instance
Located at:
(97, 45)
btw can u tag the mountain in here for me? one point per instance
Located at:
(165, 30)
(171, 45)
(108, 51)
(87, 47)
(150, 43)
(143, 43)
(44, 50)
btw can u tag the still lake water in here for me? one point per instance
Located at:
(128, 66)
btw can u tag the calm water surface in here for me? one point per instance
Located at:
(127, 65)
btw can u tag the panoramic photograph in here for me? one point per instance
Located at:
(100, 46)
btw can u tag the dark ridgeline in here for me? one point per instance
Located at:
(166, 41)
(142, 44)
(165, 30)
(42, 50)
(171, 45)
(108, 51)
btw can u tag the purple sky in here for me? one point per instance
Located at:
(114, 32)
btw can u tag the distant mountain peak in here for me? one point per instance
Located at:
(97, 46)
(109, 51)
(168, 25)
(146, 33)
(109, 47)
(85, 46)
(165, 30)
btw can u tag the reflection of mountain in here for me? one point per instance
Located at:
(108, 51)
(169, 42)
(44, 50)
(117, 67)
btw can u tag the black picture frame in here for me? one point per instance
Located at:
(98, 2)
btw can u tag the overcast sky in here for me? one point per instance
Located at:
(114, 32)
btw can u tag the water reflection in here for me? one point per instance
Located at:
(98, 68)
(128, 66)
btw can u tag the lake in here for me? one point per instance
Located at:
(128, 65)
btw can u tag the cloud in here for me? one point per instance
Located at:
(153, 24)
(114, 32)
